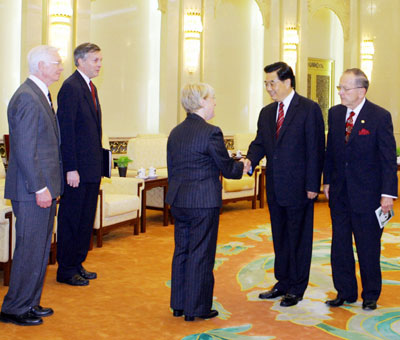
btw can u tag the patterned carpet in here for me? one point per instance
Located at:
(130, 298)
(253, 250)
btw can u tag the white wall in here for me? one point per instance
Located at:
(128, 32)
(10, 36)
(230, 53)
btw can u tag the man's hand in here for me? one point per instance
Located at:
(311, 195)
(73, 178)
(247, 165)
(326, 190)
(386, 204)
(44, 199)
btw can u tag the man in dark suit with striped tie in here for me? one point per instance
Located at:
(33, 183)
(79, 113)
(196, 155)
(291, 135)
(360, 175)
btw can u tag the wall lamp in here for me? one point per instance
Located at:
(192, 37)
(367, 57)
(290, 42)
(60, 14)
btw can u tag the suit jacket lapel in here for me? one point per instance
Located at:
(361, 116)
(88, 96)
(290, 113)
(341, 119)
(272, 122)
(45, 104)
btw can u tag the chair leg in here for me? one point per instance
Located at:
(254, 202)
(99, 237)
(53, 253)
(91, 242)
(136, 226)
(7, 272)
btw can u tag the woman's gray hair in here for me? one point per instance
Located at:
(192, 94)
(38, 54)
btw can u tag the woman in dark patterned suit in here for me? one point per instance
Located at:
(196, 156)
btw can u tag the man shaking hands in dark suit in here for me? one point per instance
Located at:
(290, 134)
(33, 182)
(360, 175)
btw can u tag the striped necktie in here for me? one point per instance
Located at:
(349, 126)
(51, 102)
(281, 117)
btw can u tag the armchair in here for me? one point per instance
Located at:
(2, 176)
(247, 188)
(119, 204)
(146, 151)
(7, 241)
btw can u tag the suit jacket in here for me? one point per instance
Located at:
(366, 163)
(35, 160)
(295, 159)
(196, 155)
(80, 126)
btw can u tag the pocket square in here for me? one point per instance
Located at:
(363, 132)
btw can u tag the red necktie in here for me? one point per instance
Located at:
(93, 94)
(281, 117)
(349, 126)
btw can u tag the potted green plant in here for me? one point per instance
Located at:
(122, 164)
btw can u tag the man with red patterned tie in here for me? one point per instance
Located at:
(291, 135)
(79, 114)
(360, 175)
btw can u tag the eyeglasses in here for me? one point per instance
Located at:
(345, 89)
(55, 62)
(271, 83)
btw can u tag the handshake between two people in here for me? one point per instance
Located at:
(247, 165)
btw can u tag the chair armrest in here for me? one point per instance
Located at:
(4, 210)
(124, 185)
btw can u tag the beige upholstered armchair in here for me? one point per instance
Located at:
(119, 204)
(2, 176)
(146, 151)
(246, 188)
(7, 241)
(149, 151)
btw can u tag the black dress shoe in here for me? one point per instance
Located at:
(338, 302)
(369, 305)
(177, 312)
(40, 311)
(213, 313)
(271, 294)
(26, 319)
(87, 275)
(76, 280)
(290, 300)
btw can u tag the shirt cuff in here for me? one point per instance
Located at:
(41, 190)
(384, 195)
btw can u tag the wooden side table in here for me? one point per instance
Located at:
(151, 183)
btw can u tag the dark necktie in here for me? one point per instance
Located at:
(51, 102)
(93, 94)
(349, 126)
(281, 117)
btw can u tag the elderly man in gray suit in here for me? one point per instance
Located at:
(33, 182)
